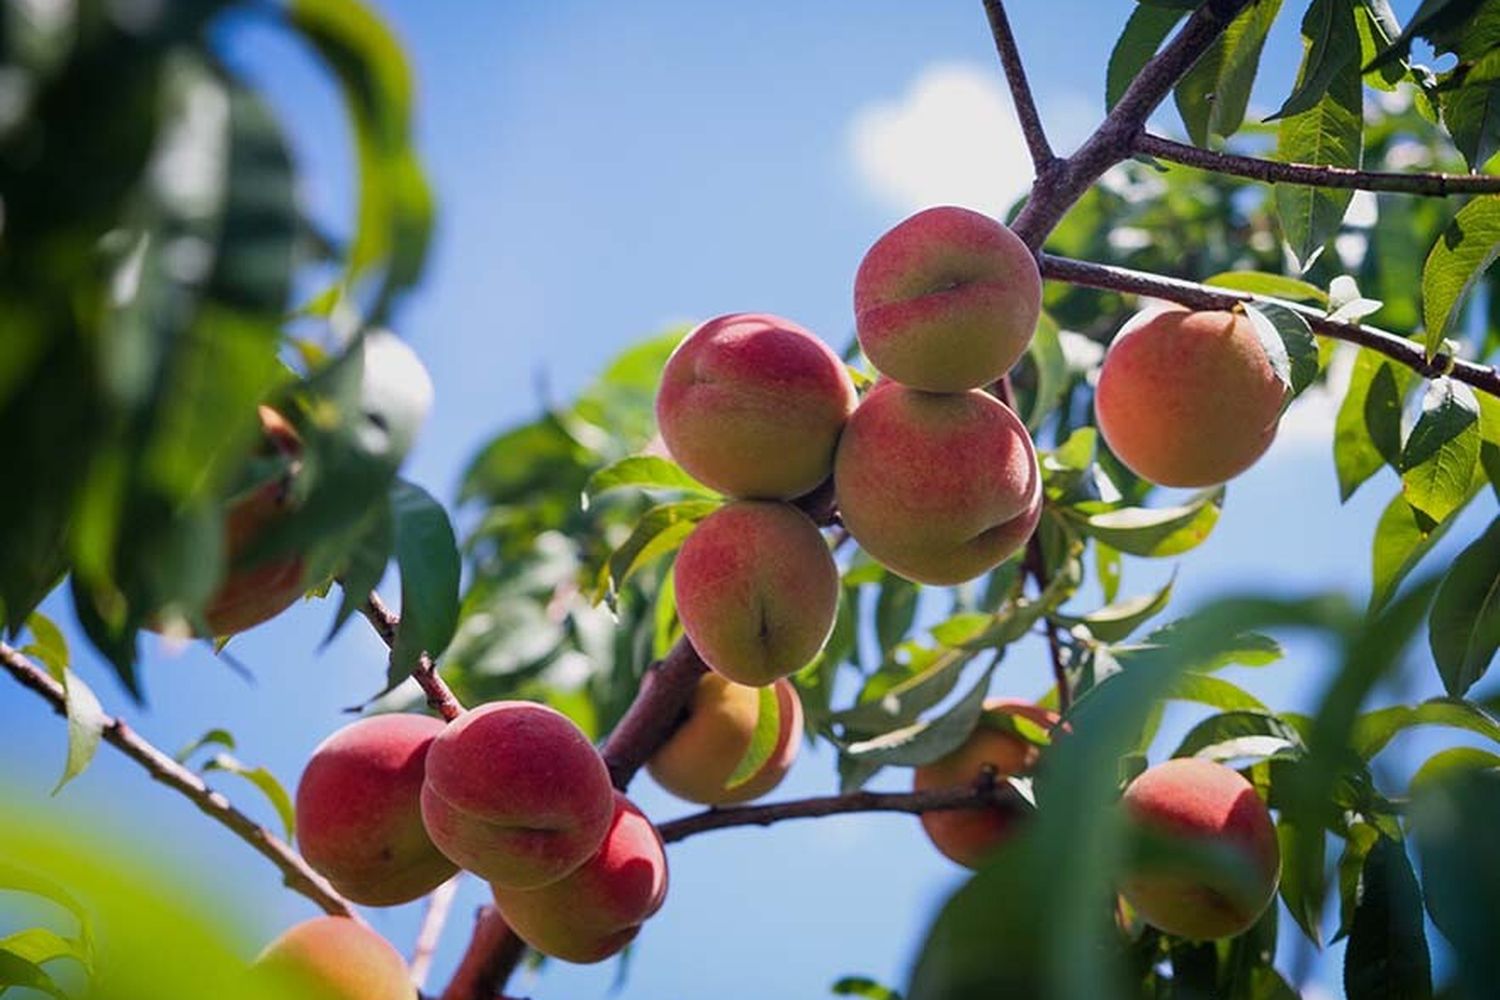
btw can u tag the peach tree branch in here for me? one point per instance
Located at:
(1195, 296)
(1115, 138)
(986, 792)
(1042, 156)
(434, 918)
(439, 697)
(1273, 172)
(296, 873)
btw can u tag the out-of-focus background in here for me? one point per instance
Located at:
(605, 171)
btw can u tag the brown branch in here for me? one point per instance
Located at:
(439, 697)
(665, 692)
(1042, 156)
(434, 919)
(1272, 172)
(985, 793)
(296, 873)
(1195, 296)
(1115, 138)
(494, 952)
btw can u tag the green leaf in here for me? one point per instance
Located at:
(1242, 733)
(927, 741)
(763, 739)
(1471, 113)
(895, 610)
(1374, 730)
(1387, 955)
(365, 563)
(1402, 539)
(40, 945)
(1212, 96)
(86, 718)
(1444, 764)
(1144, 32)
(1247, 649)
(1432, 15)
(894, 698)
(47, 644)
(1458, 260)
(427, 555)
(1216, 692)
(1115, 622)
(1367, 430)
(647, 472)
(214, 737)
(1332, 41)
(1051, 366)
(1141, 531)
(659, 531)
(18, 971)
(1288, 342)
(265, 781)
(1275, 285)
(1378, 28)
(1361, 837)
(1331, 133)
(1303, 886)
(863, 986)
(1454, 823)
(1442, 452)
(1464, 627)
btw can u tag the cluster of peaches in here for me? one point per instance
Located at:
(935, 478)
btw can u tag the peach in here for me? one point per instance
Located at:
(968, 836)
(752, 405)
(701, 756)
(757, 590)
(937, 488)
(359, 812)
(333, 958)
(1203, 801)
(599, 909)
(1188, 398)
(516, 793)
(947, 300)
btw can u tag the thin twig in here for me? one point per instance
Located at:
(1195, 296)
(296, 873)
(1115, 138)
(494, 952)
(1042, 156)
(439, 904)
(440, 697)
(1033, 564)
(982, 794)
(1272, 172)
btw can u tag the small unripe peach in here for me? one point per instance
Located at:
(701, 756)
(947, 300)
(359, 813)
(757, 590)
(938, 488)
(1203, 801)
(516, 793)
(598, 909)
(752, 405)
(968, 836)
(1188, 398)
(333, 958)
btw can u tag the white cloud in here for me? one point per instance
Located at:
(950, 139)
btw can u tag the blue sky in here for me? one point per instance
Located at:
(605, 170)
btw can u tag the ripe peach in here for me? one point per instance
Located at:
(1188, 398)
(757, 590)
(516, 793)
(947, 300)
(938, 488)
(599, 909)
(333, 958)
(1201, 800)
(967, 836)
(752, 405)
(698, 760)
(359, 813)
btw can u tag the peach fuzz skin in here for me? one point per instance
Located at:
(968, 836)
(947, 300)
(516, 794)
(599, 909)
(1200, 799)
(703, 753)
(1188, 398)
(333, 958)
(359, 813)
(752, 405)
(937, 488)
(757, 590)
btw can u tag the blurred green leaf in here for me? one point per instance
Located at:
(924, 742)
(1303, 886)
(47, 644)
(1387, 953)
(1373, 730)
(1458, 260)
(40, 945)
(1240, 733)
(863, 986)
(763, 739)
(265, 781)
(1361, 837)
(1446, 764)
(1141, 531)
(895, 610)
(214, 737)
(1454, 822)
(1464, 627)
(1116, 622)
